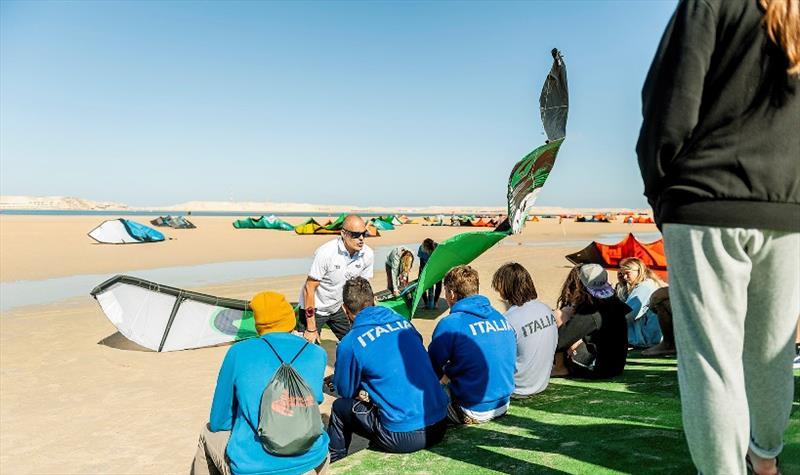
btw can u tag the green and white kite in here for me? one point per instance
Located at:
(526, 181)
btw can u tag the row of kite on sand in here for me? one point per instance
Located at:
(125, 231)
(388, 223)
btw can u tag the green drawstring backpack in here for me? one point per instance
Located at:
(289, 421)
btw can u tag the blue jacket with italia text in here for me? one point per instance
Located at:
(384, 355)
(476, 348)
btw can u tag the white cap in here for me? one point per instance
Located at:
(595, 279)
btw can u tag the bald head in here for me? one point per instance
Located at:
(354, 222)
(353, 233)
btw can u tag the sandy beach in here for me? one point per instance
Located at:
(76, 397)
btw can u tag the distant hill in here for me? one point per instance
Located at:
(73, 203)
(57, 203)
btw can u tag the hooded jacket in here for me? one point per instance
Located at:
(720, 140)
(384, 355)
(476, 348)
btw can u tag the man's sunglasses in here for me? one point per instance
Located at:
(355, 234)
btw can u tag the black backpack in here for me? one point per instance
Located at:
(289, 421)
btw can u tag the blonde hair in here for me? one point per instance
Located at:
(462, 281)
(642, 272)
(782, 22)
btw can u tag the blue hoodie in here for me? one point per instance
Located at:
(476, 348)
(384, 355)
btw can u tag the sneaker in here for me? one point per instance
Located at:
(796, 362)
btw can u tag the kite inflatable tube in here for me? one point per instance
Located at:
(164, 318)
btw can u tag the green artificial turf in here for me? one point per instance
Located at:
(629, 425)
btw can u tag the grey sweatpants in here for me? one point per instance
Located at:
(735, 297)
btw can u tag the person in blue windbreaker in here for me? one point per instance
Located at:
(229, 443)
(473, 351)
(390, 393)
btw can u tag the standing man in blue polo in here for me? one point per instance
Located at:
(334, 263)
(390, 393)
(473, 350)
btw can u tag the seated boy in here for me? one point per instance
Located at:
(229, 443)
(473, 350)
(390, 393)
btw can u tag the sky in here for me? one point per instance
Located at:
(368, 103)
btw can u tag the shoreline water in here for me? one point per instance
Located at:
(22, 293)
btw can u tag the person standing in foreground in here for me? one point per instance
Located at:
(718, 152)
(534, 326)
(390, 393)
(473, 350)
(334, 263)
(229, 444)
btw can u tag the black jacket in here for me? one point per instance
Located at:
(720, 140)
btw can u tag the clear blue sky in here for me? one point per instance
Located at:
(364, 103)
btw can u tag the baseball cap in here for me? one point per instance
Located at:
(272, 313)
(595, 279)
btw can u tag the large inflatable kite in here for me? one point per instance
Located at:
(609, 255)
(124, 231)
(526, 181)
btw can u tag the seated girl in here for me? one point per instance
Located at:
(636, 285)
(592, 336)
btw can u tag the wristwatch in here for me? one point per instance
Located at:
(310, 313)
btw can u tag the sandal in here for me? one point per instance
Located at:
(751, 471)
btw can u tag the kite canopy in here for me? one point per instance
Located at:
(639, 220)
(609, 255)
(331, 227)
(174, 222)
(163, 318)
(263, 222)
(597, 218)
(433, 220)
(124, 231)
(391, 219)
(526, 180)
(530, 173)
(381, 224)
(554, 100)
(309, 226)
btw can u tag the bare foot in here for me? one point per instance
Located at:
(763, 466)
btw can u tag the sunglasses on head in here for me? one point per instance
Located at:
(356, 234)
